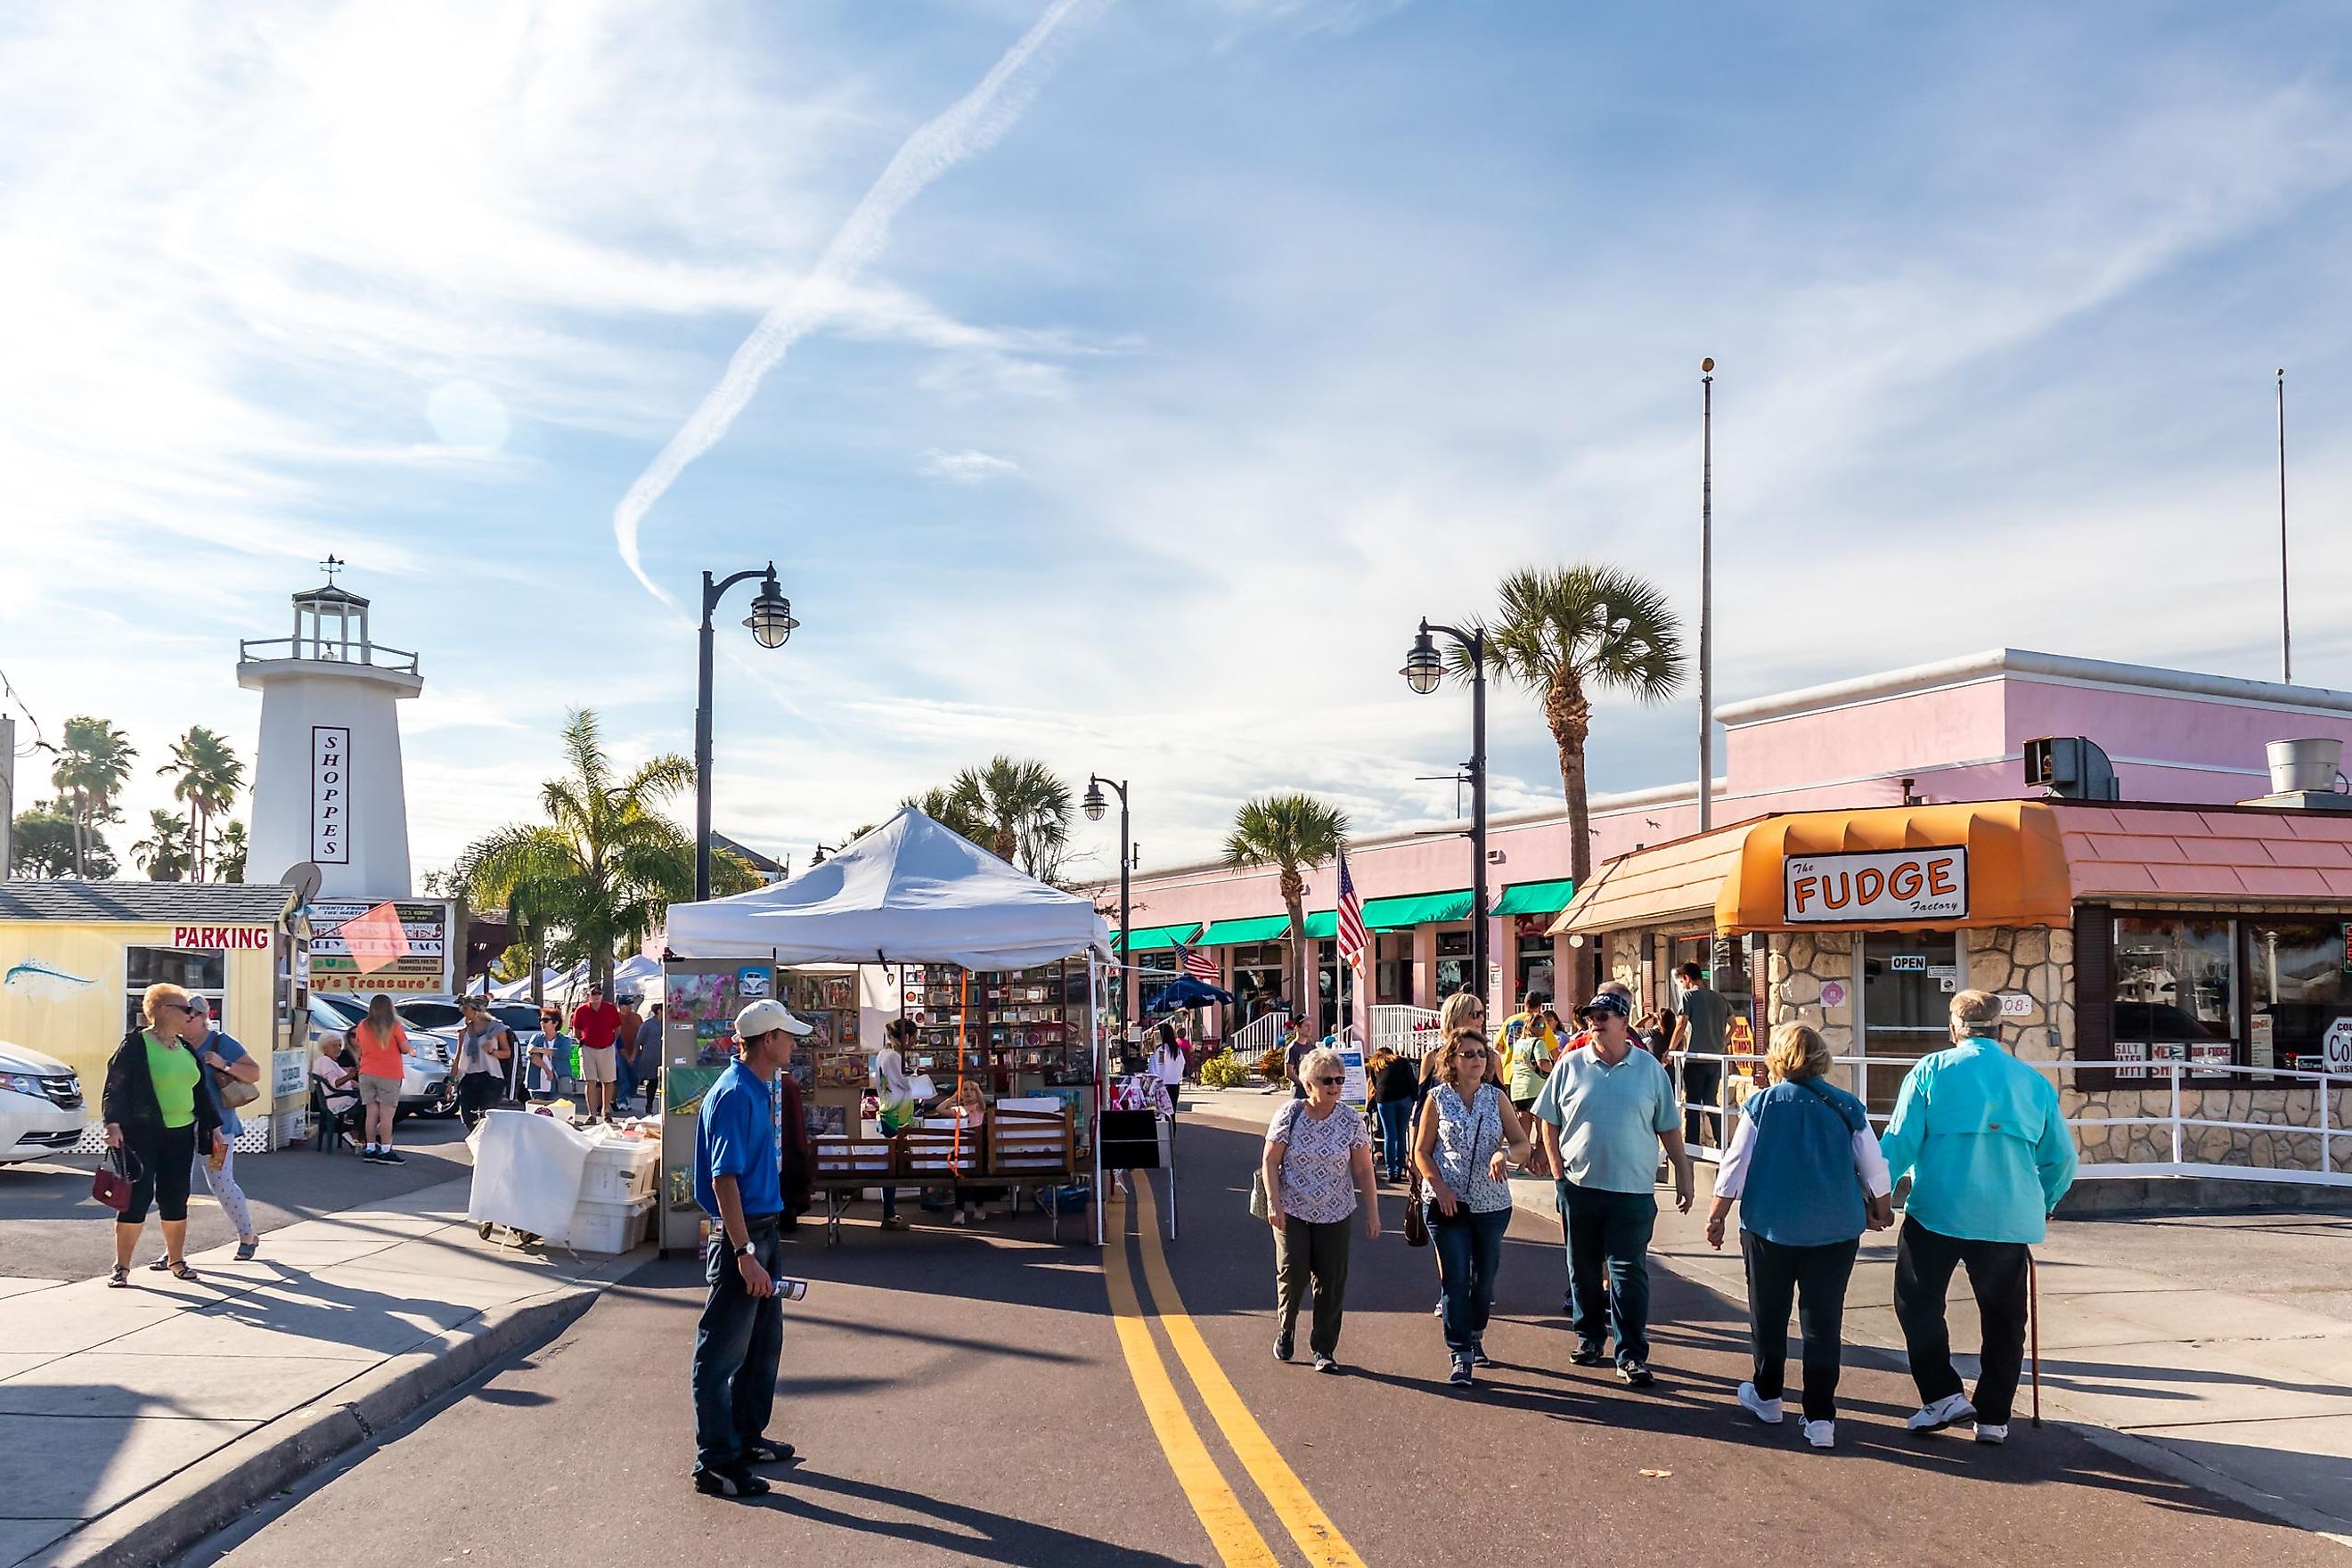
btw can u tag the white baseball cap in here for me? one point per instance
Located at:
(765, 1017)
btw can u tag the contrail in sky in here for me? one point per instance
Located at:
(973, 123)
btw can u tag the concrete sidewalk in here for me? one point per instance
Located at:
(134, 1422)
(2237, 1391)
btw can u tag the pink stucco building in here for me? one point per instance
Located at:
(1950, 732)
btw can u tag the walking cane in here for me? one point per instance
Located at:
(2033, 1328)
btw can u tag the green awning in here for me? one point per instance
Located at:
(1416, 910)
(1152, 939)
(1537, 898)
(1258, 928)
(1323, 924)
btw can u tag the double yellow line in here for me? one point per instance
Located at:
(1231, 1530)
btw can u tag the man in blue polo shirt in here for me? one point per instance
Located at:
(1605, 1110)
(739, 1182)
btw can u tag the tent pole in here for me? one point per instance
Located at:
(1102, 1065)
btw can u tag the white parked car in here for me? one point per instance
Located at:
(41, 1110)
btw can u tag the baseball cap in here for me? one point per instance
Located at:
(765, 1017)
(1606, 1002)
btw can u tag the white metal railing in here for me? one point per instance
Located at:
(1408, 1031)
(1252, 1040)
(329, 650)
(2178, 1082)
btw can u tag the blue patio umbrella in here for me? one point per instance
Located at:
(1186, 992)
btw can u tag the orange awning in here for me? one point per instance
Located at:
(1908, 867)
(1668, 884)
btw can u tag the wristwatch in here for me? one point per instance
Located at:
(745, 1250)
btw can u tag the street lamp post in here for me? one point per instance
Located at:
(771, 623)
(1093, 806)
(1424, 666)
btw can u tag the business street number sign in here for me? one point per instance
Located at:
(1877, 886)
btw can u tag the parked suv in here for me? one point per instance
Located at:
(41, 1110)
(425, 1085)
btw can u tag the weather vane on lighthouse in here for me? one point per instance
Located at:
(331, 565)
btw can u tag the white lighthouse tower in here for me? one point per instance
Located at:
(328, 784)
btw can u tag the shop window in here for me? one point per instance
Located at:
(205, 975)
(2176, 989)
(2300, 977)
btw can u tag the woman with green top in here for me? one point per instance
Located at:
(158, 1117)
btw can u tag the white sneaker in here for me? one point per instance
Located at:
(958, 1217)
(1942, 1414)
(1990, 1432)
(1768, 1411)
(1821, 1434)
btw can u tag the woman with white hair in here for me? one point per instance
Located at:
(1318, 1171)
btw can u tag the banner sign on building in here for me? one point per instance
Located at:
(421, 969)
(331, 794)
(1877, 886)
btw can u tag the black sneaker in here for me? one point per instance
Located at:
(1325, 1364)
(1282, 1346)
(1480, 1358)
(1588, 1355)
(1462, 1377)
(1635, 1373)
(766, 1453)
(387, 1157)
(735, 1482)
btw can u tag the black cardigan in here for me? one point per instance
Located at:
(130, 1101)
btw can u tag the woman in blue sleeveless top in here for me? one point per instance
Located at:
(1806, 1170)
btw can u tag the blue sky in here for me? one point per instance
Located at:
(1240, 334)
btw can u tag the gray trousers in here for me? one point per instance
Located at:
(1317, 1252)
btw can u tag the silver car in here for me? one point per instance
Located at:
(426, 1087)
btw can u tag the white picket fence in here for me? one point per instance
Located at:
(1408, 1031)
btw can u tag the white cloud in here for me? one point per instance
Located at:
(965, 468)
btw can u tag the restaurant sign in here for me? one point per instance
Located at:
(1877, 886)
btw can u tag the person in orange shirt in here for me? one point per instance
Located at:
(382, 1046)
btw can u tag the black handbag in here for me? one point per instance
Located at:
(1416, 1223)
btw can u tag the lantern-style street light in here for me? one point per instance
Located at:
(1424, 668)
(771, 623)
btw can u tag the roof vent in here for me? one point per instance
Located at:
(2071, 767)
(2303, 776)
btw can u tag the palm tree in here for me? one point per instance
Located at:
(956, 813)
(602, 869)
(230, 866)
(91, 768)
(1570, 632)
(165, 851)
(1019, 810)
(1294, 833)
(207, 775)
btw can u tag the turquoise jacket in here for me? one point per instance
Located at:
(1981, 1135)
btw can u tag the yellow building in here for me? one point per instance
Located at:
(74, 956)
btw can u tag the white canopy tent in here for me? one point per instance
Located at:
(910, 891)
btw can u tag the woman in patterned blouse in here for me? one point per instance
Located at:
(1318, 1171)
(1469, 1134)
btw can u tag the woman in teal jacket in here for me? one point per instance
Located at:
(1988, 1154)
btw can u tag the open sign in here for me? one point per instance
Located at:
(1877, 886)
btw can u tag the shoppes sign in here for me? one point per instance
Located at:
(1896, 884)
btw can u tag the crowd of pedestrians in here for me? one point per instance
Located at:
(1977, 1135)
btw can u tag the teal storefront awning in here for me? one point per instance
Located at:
(1537, 898)
(1152, 939)
(1323, 924)
(1416, 910)
(1256, 929)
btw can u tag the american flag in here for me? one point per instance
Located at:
(1353, 938)
(1200, 965)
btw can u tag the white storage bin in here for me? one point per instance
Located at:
(619, 1172)
(599, 1227)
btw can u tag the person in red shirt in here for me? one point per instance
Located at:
(596, 1024)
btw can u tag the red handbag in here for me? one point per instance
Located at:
(111, 1183)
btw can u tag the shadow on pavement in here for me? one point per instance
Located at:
(969, 1534)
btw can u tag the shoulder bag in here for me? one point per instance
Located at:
(1260, 1206)
(1416, 1223)
(232, 1090)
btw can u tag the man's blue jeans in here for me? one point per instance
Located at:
(736, 1347)
(1469, 1249)
(1396, 1136)
(1607, 1236)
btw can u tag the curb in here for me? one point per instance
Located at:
(218, 1489)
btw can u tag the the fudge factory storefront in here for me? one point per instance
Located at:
(2186, 972)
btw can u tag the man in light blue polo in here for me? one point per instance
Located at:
(1605, 1110)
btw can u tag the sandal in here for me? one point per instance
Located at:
(121, 1278)
(180, 1270)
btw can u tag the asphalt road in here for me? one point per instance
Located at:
(965, 1397)
(50, 1227)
